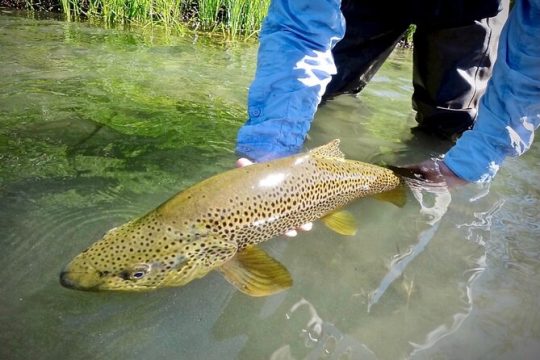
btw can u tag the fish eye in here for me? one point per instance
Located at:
(139, 272)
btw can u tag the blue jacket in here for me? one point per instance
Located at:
(293, 68)
(295, 64)
(509, 111)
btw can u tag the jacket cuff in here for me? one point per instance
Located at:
(476, 157)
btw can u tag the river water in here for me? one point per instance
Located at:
(98, 126)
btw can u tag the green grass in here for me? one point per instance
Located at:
(409, 34)
(232, 18)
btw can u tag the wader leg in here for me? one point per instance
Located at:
(371, 35)
(451, 69)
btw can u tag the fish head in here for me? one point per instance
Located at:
(134, 258)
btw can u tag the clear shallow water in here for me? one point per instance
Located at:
(99, 126)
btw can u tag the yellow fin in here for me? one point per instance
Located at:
(255, 273)
(396, 196)
(330, 150)
(341, 222)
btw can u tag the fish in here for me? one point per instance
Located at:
(218, 223)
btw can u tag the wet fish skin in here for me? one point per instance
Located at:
(216, 224)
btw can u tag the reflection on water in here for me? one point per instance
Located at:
(99, 126)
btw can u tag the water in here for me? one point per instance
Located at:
(98, 126)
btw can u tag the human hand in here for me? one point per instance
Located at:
(291, 233)
(434, 172)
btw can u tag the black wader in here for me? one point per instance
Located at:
(455, 45)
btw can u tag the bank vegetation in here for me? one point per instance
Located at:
(231, 17)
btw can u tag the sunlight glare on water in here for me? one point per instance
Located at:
(100, 126)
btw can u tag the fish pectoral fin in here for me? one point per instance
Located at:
(330, 150)
(341, 221)
(255, 273)
(396, 196)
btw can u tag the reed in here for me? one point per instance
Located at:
(245, 16)
(233, 18)
(409, 35)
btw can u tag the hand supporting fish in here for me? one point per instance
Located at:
(435, 171)
(217, 223)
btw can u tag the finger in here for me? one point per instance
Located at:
(291, 233)
(243, 162)
(307, 226)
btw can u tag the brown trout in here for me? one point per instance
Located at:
(217, 223)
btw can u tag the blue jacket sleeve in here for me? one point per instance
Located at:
(509, 111)
(294, 67)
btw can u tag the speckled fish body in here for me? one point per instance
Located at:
(218, 221)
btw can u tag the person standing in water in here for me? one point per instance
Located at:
(455, 46)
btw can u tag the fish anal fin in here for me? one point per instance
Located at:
(255, 273)
(396, 196)
(330, 150)
(341, 221)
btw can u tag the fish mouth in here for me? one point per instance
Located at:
(80, 281)
(80, 275)
(67, 280)
(86, 278)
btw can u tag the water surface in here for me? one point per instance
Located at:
(98, 126)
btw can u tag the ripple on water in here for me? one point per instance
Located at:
(519, 232)
(43, 234)
(321, 338)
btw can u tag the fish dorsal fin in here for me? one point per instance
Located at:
(255, 273)
(330, 150)
(341, 222)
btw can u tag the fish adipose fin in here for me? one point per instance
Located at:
(396, 196)
(255, 273)
(342, 222)
(330, 150)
